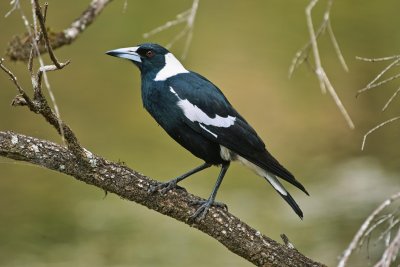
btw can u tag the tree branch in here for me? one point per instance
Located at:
(20, 46)
(234, 234)
(365, 231)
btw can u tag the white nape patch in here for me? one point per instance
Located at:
(195, 114)
(269, 176)
(172, 67)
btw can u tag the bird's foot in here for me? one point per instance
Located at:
(202, 211)
(165, 187)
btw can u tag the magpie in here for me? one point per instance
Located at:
(197, 115)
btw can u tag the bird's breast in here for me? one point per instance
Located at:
(161, 105)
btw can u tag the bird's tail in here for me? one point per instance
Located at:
(271, 178)
(283, 193)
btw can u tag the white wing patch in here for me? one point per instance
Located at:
(172, 67)
(195, 114)
(204, 127)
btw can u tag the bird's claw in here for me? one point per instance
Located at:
(165, 187)
(215, 204)
(202, 211)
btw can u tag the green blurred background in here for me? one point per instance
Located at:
(246, 48)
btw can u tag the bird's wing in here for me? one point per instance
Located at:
(207, 111)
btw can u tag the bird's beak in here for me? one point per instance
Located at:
(127, 52)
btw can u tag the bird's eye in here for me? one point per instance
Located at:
(149, 54)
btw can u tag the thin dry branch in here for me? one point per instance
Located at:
(376, 81)
(20, 90)
(312, 46)
(318, 67)
(112, 177)
(20, 46)
(41, 18)
(391, 99)
(376, 128)
(374, 85)
(365, 231)
(391, 252)
(337, 47)
(188, 17)
(14, 6)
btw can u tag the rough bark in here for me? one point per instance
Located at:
(229, 230)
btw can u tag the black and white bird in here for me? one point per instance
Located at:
(197, 115)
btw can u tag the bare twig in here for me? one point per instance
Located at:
(188, 17)
(41, 19)
(303, 54)
(13, 78)
(337, 100)
(372, 84)
(376, 128)
(379, 81)
(339, 53)
(287, 241)
(384, 71)
(392, 224)
(377, 59)
(391, 252)
(373, 226)
(14, 6)
(318, 67)
(364, 230)
(391, 99)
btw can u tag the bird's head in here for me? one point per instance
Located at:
(148, 56)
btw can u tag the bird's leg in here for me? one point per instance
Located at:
(201, 212)
(165, 187)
